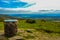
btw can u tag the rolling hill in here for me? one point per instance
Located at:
(3, 17)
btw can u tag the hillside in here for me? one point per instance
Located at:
(2, 17)
(40, 30)
(36, 16)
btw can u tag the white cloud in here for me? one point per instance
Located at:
(6, 1)
(1, 8)
(29, 1)
(46, 5)
(15, 9)
(40, 5)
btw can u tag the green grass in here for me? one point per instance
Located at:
(48, 25)
(38, 30)
(1, 25)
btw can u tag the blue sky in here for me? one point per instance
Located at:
(13, 4)
(28, 5)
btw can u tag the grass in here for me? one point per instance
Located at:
(1, 25)
(46, 27)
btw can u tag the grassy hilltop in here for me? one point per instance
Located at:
(38, 25)
(40, 29)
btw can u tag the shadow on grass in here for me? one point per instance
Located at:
(47, 31)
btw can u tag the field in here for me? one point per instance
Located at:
(38, 30)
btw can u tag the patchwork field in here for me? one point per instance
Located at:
(34, 30)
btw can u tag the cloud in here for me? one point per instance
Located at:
(25, 11)
(15, 4)
(5, 1)
(40, 5)
(46, 5)
(29, 1)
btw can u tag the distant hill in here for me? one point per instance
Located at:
(32, 16)
(36, 16)
(3, 17)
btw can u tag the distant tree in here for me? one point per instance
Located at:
(30, 21)
(43, 20)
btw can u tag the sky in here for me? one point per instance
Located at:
(28, 5)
